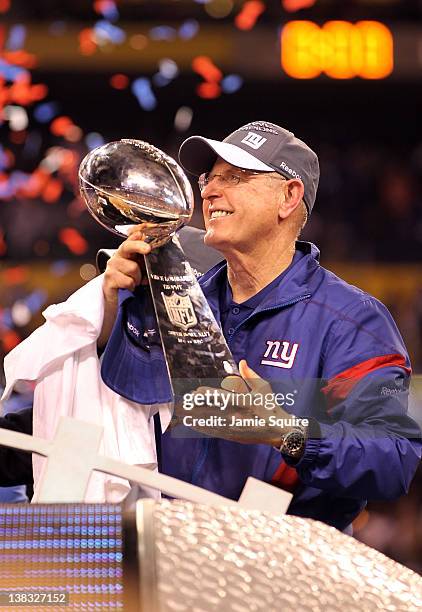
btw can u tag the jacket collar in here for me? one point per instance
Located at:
(294, 285)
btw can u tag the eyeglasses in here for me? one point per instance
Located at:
(226, 178)
(230, 179)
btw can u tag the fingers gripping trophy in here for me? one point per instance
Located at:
(131, 182)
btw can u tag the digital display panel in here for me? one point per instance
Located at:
(338, 49)
(61, 556)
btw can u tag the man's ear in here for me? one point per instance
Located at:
(290, 198)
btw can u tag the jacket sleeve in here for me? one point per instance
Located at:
(367, 446)
(16, 465)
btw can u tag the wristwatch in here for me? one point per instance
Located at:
(293, 442)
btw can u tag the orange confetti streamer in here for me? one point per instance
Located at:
(204, 66)
(20, 58)
(249, 14)
(119, 81)
(4, 6)
(22, 91)
(52, 191)
(295, 5)
(35, 185)
(15, 276)
(208, 90)
(61, 125)
(87, 44)
(10, 339)
(102, 5)
(73, 240)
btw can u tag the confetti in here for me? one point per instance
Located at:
(70, 237)
(105, 32)
(60, 125)
(183, 119)
(87, 42)
(10, 339)
(189, 29)
(208, 90)
(17, 117)
(204, 66)
(44, 113)
(17, 35)
(249, 14)
(295, 5)
(15, 275)
(119, 81)
(142, 90)
(4, 6)
(107, 8)
(93, 140)
(231, 83)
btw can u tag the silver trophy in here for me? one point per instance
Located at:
(128, 183)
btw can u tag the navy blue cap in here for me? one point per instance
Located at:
(133, 363)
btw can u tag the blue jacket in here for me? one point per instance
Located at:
(337, 354)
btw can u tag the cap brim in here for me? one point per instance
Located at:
(130, 371)
(198, 154)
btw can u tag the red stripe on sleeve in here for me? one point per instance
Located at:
(285, 477)
(339, 387)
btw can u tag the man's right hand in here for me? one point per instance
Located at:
(125, 270)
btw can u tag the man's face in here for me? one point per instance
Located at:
(238, 215)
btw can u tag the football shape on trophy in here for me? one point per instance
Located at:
(131, 182)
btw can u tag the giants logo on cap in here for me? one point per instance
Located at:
(254, 140)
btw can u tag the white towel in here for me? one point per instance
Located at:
(61, 356)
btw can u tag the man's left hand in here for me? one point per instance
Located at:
(251, 414)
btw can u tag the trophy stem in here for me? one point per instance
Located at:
(194, 346)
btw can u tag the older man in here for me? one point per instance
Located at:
(293, 326)
(330, 353)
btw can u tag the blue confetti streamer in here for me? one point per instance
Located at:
(16, 39)
(35, 300)
(141, 88)
(110, 11)
(189, 29)
(108, 32)
(10, 72)
(16, 180)
(94, 140)
(43, 113)
(231, 83)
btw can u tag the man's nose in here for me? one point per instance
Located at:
(212, 188)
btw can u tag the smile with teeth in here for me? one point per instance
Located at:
(219, 213)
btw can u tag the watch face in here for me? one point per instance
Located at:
(293, 443)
